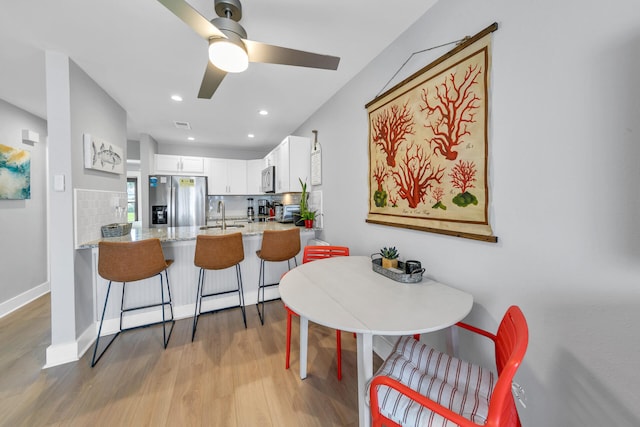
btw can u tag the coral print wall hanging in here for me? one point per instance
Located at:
(428, 146)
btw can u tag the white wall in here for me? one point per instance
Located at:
(75, 105)
(564, 176)
(23, 248)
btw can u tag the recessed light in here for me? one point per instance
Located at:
(263, 112)
(251, 135)
(177, 98)
(191, 138)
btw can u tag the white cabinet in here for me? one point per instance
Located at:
(227, 176)
(269, 159)
(237, 176)
(179, 164)
(281, 156)
(292, 161)
(254, 176)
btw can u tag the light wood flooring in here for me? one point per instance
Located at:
(229, 376)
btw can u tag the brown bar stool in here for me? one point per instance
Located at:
(129, 262)
(218, 253)
(277, 246)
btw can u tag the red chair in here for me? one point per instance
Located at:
(312, 253)
(418, 385)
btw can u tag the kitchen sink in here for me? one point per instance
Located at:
(206, 227)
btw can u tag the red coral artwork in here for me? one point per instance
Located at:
(451, 110)
(390, 128)
(428, 146)
(415, 176)
(462, 177)
(438, 194)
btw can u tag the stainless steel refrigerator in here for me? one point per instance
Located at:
(177, 201)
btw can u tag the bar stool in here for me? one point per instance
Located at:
(129, 262)
(218, 253)
(277, 246)
(312, 253)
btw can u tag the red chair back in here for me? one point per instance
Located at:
(312, 253)
(511, 343)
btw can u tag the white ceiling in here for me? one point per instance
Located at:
(141, 54)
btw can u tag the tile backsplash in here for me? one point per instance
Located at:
(95, 208)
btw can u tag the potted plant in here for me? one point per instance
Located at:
(303, 197)
(308, 217)
(389, 257)
(305, 214)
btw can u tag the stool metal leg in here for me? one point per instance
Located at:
(95, 349)
(261, 288)
(196, 315)
(202, 294)
(122, 309)
(165, 337)
(166, 275)
(241, 294)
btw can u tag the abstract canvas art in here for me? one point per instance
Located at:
(15, 173)
(428, 146)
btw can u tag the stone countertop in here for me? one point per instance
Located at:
(177, 234)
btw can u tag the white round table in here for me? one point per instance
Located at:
(345, 293)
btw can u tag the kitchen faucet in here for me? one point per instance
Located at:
(224, 220)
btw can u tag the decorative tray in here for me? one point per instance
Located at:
(116, 230)
(396, 274)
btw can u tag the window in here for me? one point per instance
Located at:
(132, 199)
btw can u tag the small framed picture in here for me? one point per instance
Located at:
(102, 155)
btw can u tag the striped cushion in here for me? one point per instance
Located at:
(461, 386)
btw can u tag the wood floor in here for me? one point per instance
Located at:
(229, 376)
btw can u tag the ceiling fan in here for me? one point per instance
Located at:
(229, 49)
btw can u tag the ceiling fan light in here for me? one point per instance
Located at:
(228, 56)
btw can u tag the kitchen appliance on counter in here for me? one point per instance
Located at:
(177, 201)
(264, 209)
(269, 179)
(285, 213)
(250, 211)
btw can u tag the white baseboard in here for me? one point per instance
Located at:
(61, 353)
(86, 340)
(23, 299)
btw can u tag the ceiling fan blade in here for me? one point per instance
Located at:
(210, 82)
(193, 19)
(262, 52)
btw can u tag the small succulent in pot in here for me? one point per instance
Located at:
(389, 257)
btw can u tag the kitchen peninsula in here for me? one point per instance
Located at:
(178, 243)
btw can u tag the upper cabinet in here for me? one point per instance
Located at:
(292, 161)
(227, 176)
(254, 176)
(179, 164)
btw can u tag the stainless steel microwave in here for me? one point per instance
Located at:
(269, 179)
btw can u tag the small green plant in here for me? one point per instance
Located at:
(389, 253)
(308, 215)
(303, 197)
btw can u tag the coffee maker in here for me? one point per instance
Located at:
(263, 209)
